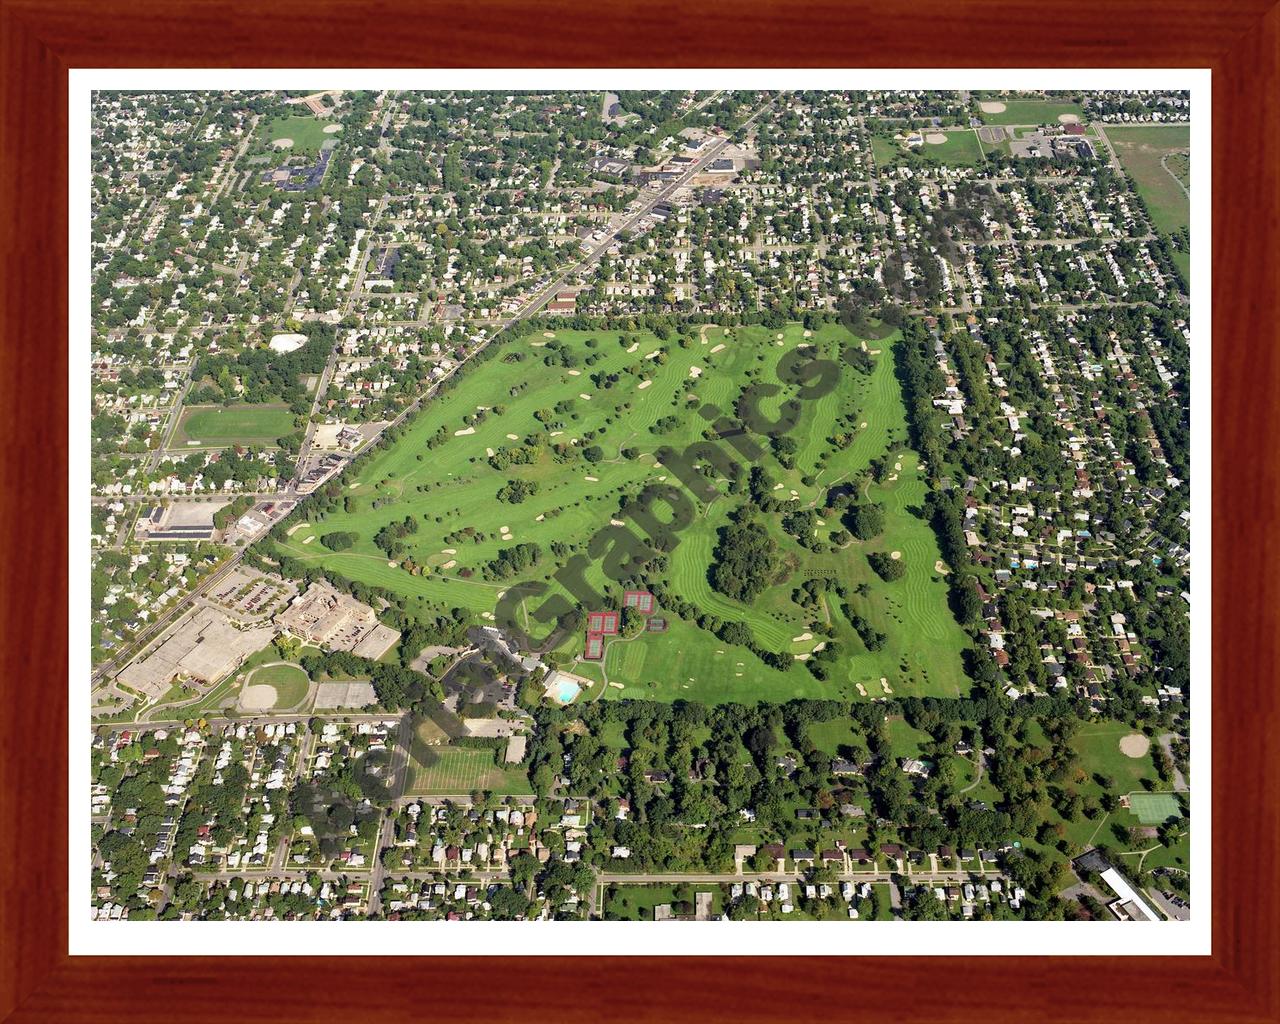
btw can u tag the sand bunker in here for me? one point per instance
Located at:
(449, 551)
(992, 107)
(592, 479)
(539, 517)
(941, 566)
(575, 373)
(653, 355)
(308, 540)
(329, 129)
(548, 334)
(617, 686)
(895, 555)
(643, 384)
(585, 397)
(695, 372)
(258, 697)
(616, 522)
(391, 565)
(449, 564)
(802, 636)
(718, 348)
(634, 345)
(489, 452)
(808, 334)
(1068, 119)
(513, 437)
(463, 433)
(1134, 745)
(862, 690)
(935, 138)
(295, 528)
(282, 143)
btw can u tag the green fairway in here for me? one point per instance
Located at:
(516, 403)
(455, 771)
(1032, 112)
(289, 681)
(214, 425)
(307, 133)
(1141, 150)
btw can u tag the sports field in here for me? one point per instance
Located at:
(1154, 808)
(608, 397)
(307, 132)
(1141, 150)
(289, 682)
(1032, 112)
(458, 770)
(211, 426)
(960, 149)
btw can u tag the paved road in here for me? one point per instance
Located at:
(386, 833)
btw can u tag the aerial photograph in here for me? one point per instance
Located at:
(660, 505)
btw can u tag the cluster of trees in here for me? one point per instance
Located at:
(515, 492)
(512, 561)
(886, 566)
(390, 537)
(339, 541)
(746, 559)
(395, 686)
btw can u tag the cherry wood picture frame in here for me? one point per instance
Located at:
(41, 39)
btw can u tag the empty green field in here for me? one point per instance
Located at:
(1155, 157)
(515, 401)
(445, 771)
(307, 132)
(213, 425)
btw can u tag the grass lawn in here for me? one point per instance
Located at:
(306, 131)
(903, 739)
(961, 149)
(1032, 112)
(1098, 745)
(1141, 148)
(213, 425)
(457, 770)
(290, 683)
(451, 490)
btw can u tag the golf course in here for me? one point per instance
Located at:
(541, 445)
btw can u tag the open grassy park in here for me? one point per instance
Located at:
(307, 133)
(585, 430)
(1154, 156)
(958, 148)
(211, 426)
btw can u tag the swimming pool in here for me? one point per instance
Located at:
(564, 690)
